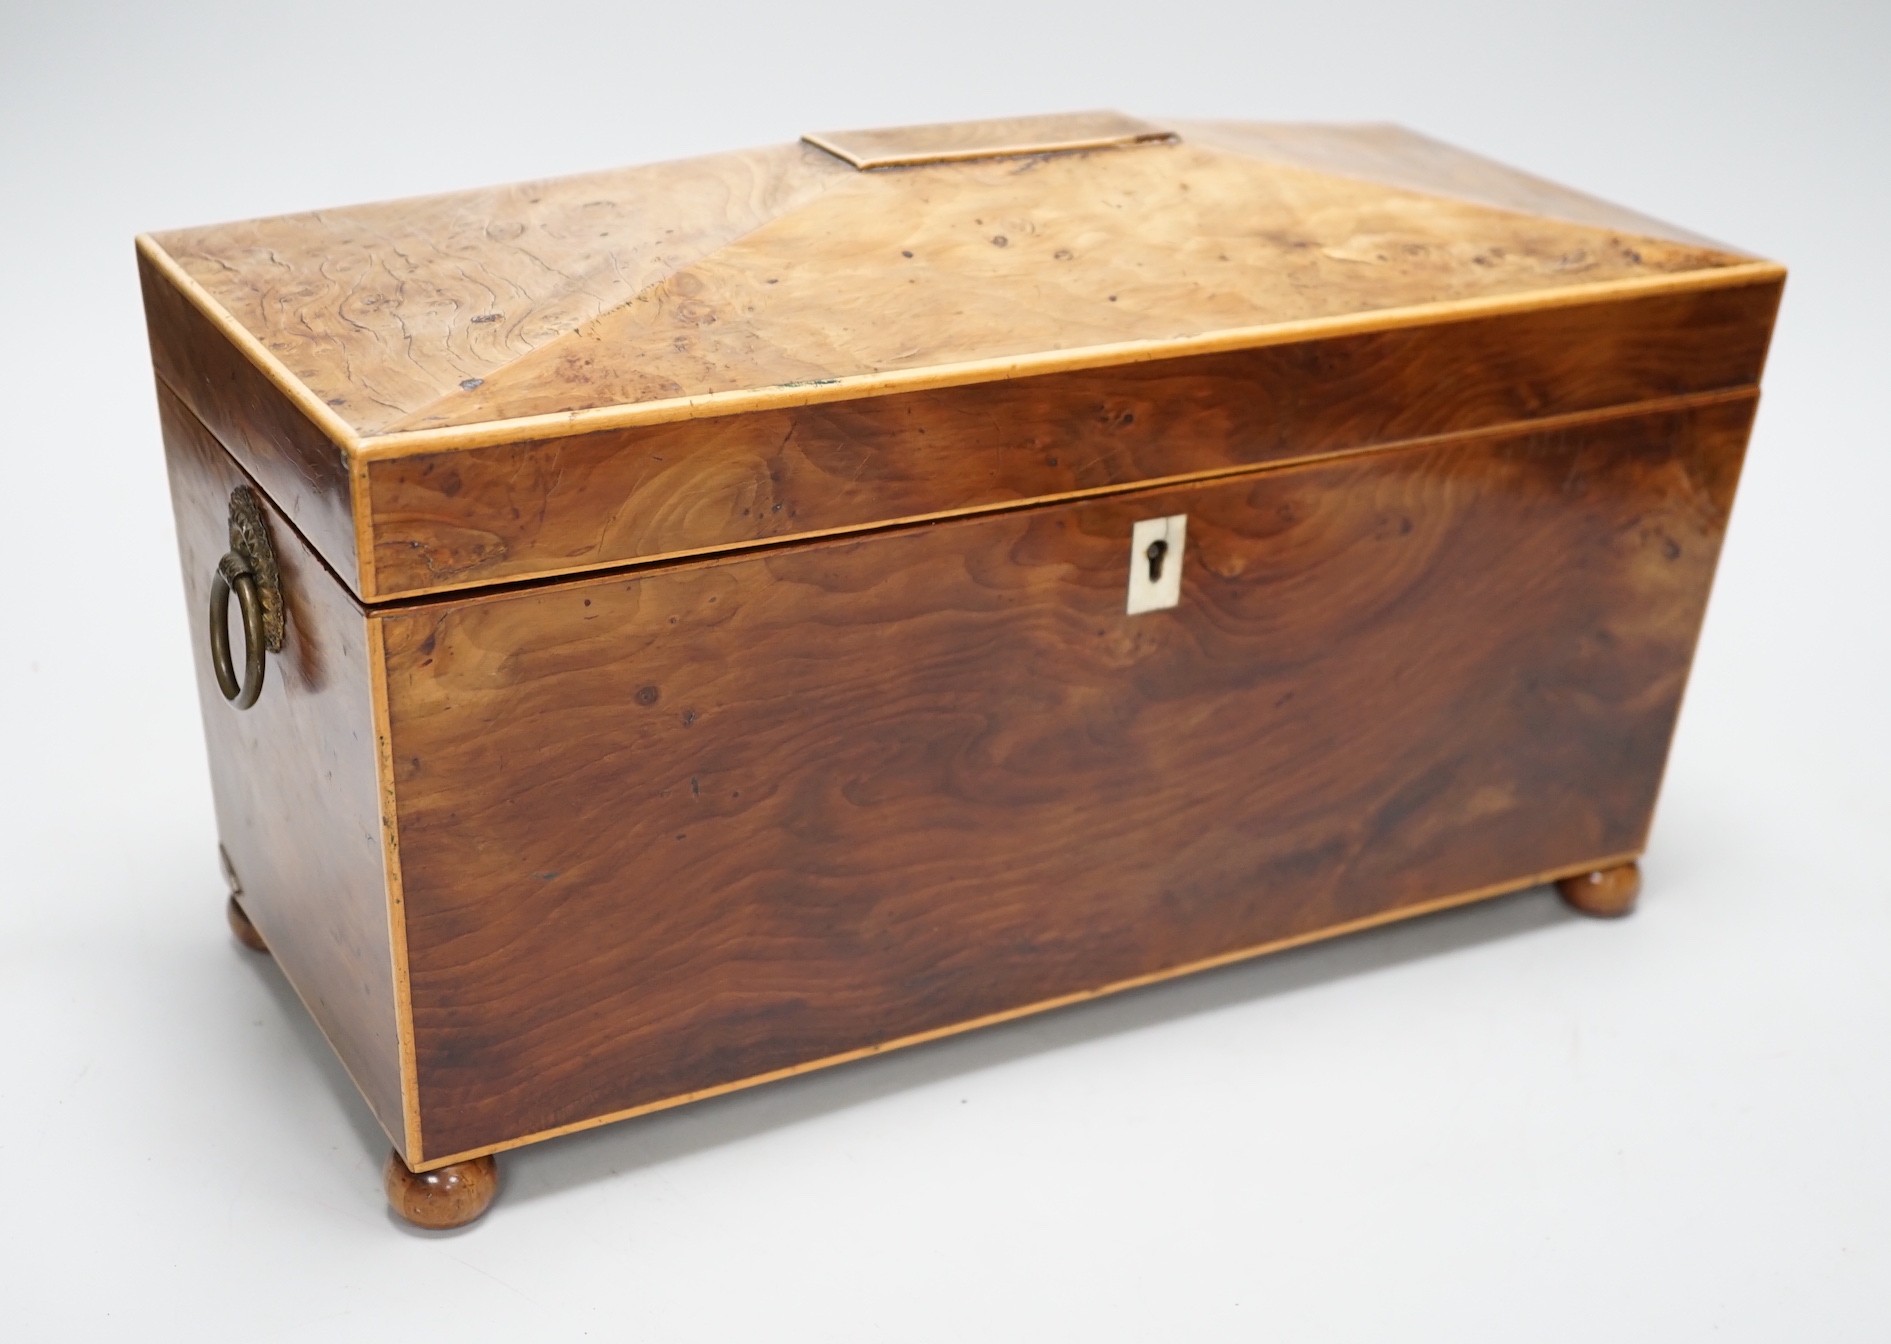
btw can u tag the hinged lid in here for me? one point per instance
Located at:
(793, 275)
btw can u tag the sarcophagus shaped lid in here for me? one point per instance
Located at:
(851, 265)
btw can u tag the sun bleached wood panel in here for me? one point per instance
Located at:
(383, 309)
(964, 262)
(295, 778)
(668, 831)
(1397, 157)
(515, 510)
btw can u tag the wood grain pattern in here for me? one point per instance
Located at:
(294, 778)
(1401, 158)
(443, 1198)
(784, 267)
(384, 309)
(665, 831)
(301, 468)
(1249, 952)
(1000, 137)
(467, 517)
(979, 261)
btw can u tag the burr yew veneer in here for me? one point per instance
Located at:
(674, 627)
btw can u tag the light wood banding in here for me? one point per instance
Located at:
(586, 328)
(308, 473)
(781, 267)
(467, 517)
(707, 657)
(295, 778)
(763, 810)
(1415, 911)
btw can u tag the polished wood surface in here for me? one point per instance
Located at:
(666, 831)
(786, 267)
(1001, 137)
(465, 517)
(606, 355)
(1606, 893)
(240, 925)
(894, 382)
(305, 471)
(963, 263)
(1401, 158)
(385, 309)
(1401, 914)
(295, 777)
(707, 657)
(444, 1198)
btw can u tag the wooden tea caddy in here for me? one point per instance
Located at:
(708, 621)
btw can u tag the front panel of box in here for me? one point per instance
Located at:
(664, 832)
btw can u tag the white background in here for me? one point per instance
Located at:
(1505, 1122)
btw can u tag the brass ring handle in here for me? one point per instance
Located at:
(250, 570)
(233, 574)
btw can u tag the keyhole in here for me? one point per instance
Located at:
(1158, 549)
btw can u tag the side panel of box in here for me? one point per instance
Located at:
(472, 516)
(666, 832)
(295, 777)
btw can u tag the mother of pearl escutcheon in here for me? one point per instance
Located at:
(1155, 563)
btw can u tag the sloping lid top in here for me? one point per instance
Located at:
(682, 288)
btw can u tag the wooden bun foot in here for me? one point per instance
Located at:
(1606, 894)
(450, 1196)
(244, 930)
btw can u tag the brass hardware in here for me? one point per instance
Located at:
(249, 570)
